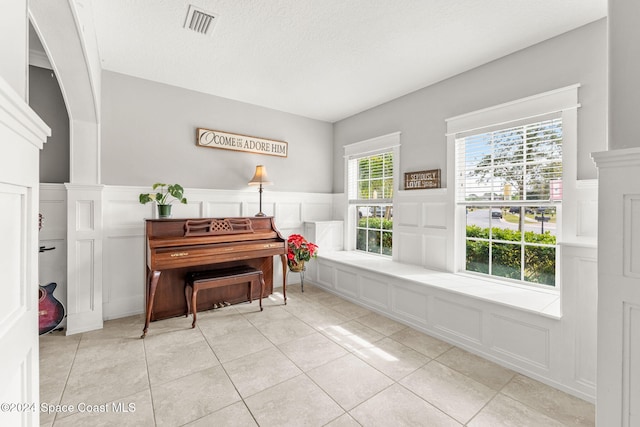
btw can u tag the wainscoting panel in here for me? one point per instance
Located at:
(374, 291)
(407, 215)
(434, 215)
(523, 341)
(123, 287)
(587, 218)
(631, 367)
(409, 246)
(13, 229)
(326, 275)
(631, 235)
(316, 211)
(347, 283)
(126, 213)
(268, 208)
(587, 209)
(289, 214)
(223, 210)
(435, 252)
(193, 209)
(85, 214)
(410, 305)
(85, 262)
(85, 228)
(421, 229)
(586, 346)
(456, 319)
(54, 212)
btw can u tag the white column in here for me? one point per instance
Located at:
(618, 380)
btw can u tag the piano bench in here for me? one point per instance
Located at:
(217, 278)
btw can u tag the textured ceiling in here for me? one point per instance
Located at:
(323, 59)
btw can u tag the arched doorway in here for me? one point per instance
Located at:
(66, 31)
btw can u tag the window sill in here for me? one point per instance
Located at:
(534, 300)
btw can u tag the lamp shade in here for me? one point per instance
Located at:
(260, 177)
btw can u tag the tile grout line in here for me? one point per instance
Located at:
(75, 354)
(224, 369)
(146, 364)
(229, 378)
(426, 401)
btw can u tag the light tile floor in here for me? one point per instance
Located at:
(318, 361)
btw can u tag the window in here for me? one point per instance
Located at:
(371, 171)
(504, 179)
(374, 191)
(509, 164)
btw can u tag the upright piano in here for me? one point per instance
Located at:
(178, 246)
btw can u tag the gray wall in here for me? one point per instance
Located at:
(45, 98)
(579, 56)
(148, 135)
(624, 74)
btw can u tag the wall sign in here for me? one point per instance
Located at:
(232, 141)
(422, 179)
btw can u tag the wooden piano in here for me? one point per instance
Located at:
(178, 246)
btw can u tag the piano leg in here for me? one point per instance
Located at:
(283, 258)
(154, 276)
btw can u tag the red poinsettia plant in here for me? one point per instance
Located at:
(299, 250)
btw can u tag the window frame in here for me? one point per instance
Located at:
(563, 101)
(381, 144)
(499, 205)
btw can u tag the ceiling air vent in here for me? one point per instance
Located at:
(200, 21)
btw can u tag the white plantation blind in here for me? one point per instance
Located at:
(362, 186)
(517, 162)
(370, 178)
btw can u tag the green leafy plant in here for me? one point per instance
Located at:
(163, 193)
(506, 258)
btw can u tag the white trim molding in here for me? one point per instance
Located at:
(629, 157)
(371, 145)
(562, 99)
(19, 117)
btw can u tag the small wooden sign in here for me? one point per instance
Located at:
(232, 141)
(422, 179)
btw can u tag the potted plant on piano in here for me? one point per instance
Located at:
(164, 195)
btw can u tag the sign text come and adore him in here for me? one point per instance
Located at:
(231, 141)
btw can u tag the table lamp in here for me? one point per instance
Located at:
(260, 178)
